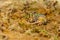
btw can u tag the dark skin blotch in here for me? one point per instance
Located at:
(4, 36)
(58, 30)
(59, 34)
(44, 23)
(14, 10)
(45, 35)
(55, 3)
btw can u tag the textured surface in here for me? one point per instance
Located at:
(29, 19)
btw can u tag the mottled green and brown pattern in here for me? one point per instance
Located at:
(29, 19)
